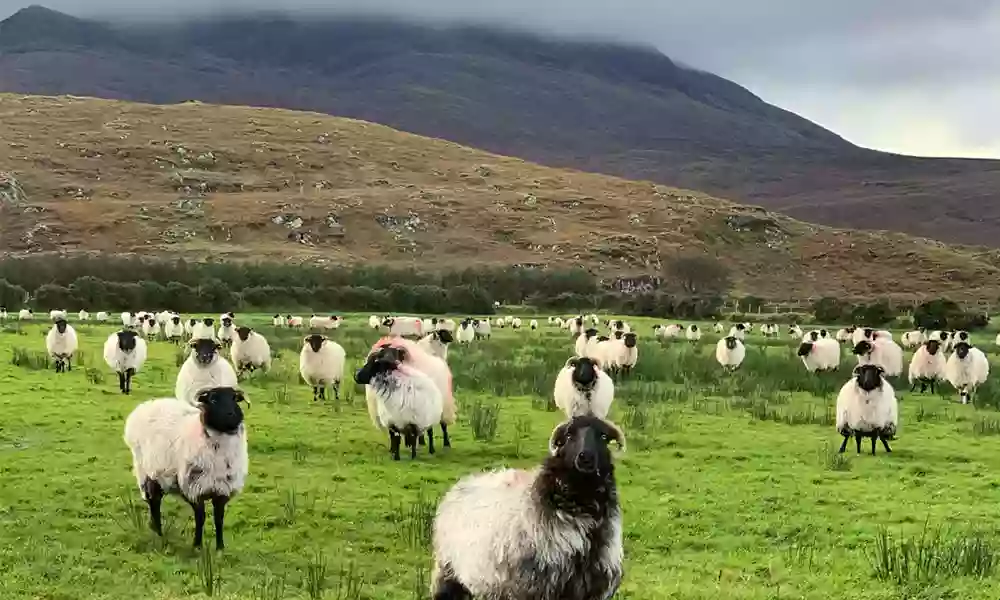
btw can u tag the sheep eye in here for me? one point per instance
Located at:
(605, 437)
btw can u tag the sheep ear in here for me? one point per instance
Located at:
(617, 435)
(192, 343)
(558, 437)
(572, 362)
(241, 397)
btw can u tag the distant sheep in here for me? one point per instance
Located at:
(867, 407)
(279, 321)
(738, 331)
(174, 329)
(103, 316)
(693, 334)
(250, 351)
(321, 365)
(795, 331)
(436, 342)
(404, 326)
(466, 332)
(227, 331)
(624, 354)
(966, 369)
(25, 314)
(927, 366)
(482, 328)
(533, 325)
(125, 352)
(882, 352)
(586, 343)
(819, 354)
(912, 339)
(61, 344)
(730, 352)
(83, 315)
(55, 315)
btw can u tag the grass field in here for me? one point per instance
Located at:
(731, 486)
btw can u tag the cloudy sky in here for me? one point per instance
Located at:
(911, 76)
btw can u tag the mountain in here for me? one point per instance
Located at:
(195, 180)
(626, 111)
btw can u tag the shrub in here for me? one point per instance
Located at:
(830, 310)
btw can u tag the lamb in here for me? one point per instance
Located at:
(554, 533)
(204, 368)
(61, 344)
(321, 364)
(466, 332)
(882, 352)
(730, 352)
(693, 334)
(586, 343)
(867, 407)
(912, 339)
(436, 343)
(583, 388)
(967, 368)
(279, 321)
(83, 315)
(482, 328)
(55, 315)
(198, 451)
(250, 351)
(103, 316)
(125, 352)
(927, 366)
(25, 314)
(226, 332)
(819, 354)
(174, 329)
(402, 399)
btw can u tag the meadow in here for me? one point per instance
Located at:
(731, 486)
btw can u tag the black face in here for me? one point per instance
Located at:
(619, 334)
(579, 322)
(434, 322)
(963, 335)
(619, 325)
(864, 348)
(445, 337)
(126, 340)
(243, 332)
(740, 327)
(220, 409)
(385, 360)
(813, 335)
(208, 321)
(869, 377)
(868, 332)
(932, 346)
(805, 348)
(630, 340)
(581, 444)
(590, 333)
(962, 349)
(388, 322)
(823, 333)
(227, 322)
(191, 322)
(731, 342)
(694, 328)
(584, 371)
(61, 325)
(205, 350)
(276, 316)
(176, 320)
(315, 341)
(603, 338)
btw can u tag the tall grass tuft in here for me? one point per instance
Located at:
(316, 576)
(932, 556)
(522, 433)
(270, 588)
(415, 522)
(28, 359)
(986, 426)
(350, 583)
(131, 515)
(831, 459)
(209, 571)
(484, 420)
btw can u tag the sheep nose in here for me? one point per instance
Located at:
(586, 462)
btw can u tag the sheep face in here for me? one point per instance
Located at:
(61, 325)
(932, 346)
(731, 342)
(864, 348)
(205, 350)
(740, 327)
(243, 332)
(962, 349)
(126, 341)
(694, 329)
(823, 333)
(868, 332)
(619, 334)
(227, 322)
(220, 409)
(963, 335)
(444, 336)
(584, 371)
(868, 377)
(813, 335)
(315, 341)
(388, 322)
(590, 333)
(192, 322)
(209, 321)
(630, 340)
(386, 360)
(581, 444)
(805, 348)
(175, 319)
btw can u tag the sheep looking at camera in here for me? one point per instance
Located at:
(61, 344)
(204, 368)
(125, 352)
(583, 388)
(250, 351)
(867, 407)
(730, 352)
(966, 369)
(321, 364)
(927, 366)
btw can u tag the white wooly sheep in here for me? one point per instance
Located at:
(204, 368)
(482, 328)
(499, 323)
(103, 316)
(718, 327)
(912, 339)
(25, 314)
(583, 388)
(819, 354)
(162, 317)
(125, 352)
(516, 323)
(140, 317)
(321, 365)
(128, 319)
(150, 328)
(551, 533)
(55, 315)
(622, 355)
(227, 331)
(189, 326)
(867, 407)
(436, 343)
(317, 322)
(558, 322)
(204, 329)
(198, 451)
(957, 337)
(730, 352)
(738, 331)
(927, 366)
(61, 344)
(619, 325)
(83, 315)
(374, 322)
(693, 334)
(967, 368)
(997, 340)
(871, 335)
(586, 343)
(250, 351)
(173, 330)
(294, 322)
(594, 320)
(533, 325)
(575, 325)
(448, 325)
(795, 331)
(404, 326)
(279, 321)
(882, 352)
(846, 334)
(466, 332)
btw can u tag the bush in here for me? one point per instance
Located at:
(876, 315)
(945, 314)
(830, 310)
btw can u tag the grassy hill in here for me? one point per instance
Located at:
(196, 180)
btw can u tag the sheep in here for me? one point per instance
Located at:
(466, 332)
(321, 365)
(125, 352)
(198, 451)
(870, 334)
(997, 340)
(499, 323)
(25, 314)
(819, 354)
(436, 343)
(912, 339)
(693, 334)
(795, 331)
(624, 354)
(374, 322)
(448, 325)
(516, 323)
(738, 331)
(227, 330)
(619, 325)
(583, 388)
(174, 330)
(61, 343)
(718, 327)
(402, 399)
(56, 315)
(230, 314)
(279, 321)
(139, 318)
(315, 322)
(163, 317)
(127, 319)
(103, 316)
(549, 534)
(404, 326)
(730, 352)
(594, 320)
(927, 366)
(83, 315)
(204, 329)
(882, 352)
(867, 407)
(967, 368)
(250, 351)
(482, 328)
(583, 342)
(575, 325)
(846, 334)
(204, 368)
(293, 322)
(558, 322)
(150, 329)
(533, 325)
(955, 338)
(672, 331)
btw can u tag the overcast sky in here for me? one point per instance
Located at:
(911, 76)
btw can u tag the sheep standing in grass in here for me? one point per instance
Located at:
(125, 352)
(693, 334)
(173, 331)
(25, 314)
(882, 352)
(55, 315)
(466, 332)
(293, 322)
(250, 351)
(436, 342)
(204, 368)
(402, 399)
(103, 316)
(150, 329)
(718, 327)
(819, 354)
(867, 407)
(321, 364)
(227, 331)
(583, 342)
(554, 533)
(927, 366)
(730, 352)
(83, 315)
(795, 331)
(575, 325)
(197, 450)
(279, 321)
(912, 339)
(956, 338)
(533, 325)
(738, 331)
(624, 354)
(583, 388)
(61, 344)
(966, 369)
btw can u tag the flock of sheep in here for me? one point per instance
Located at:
(554, 532)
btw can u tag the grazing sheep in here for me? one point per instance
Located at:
(196, 450)
(226, 332)
(927, 366)
(583, 342)
(693, 334)
(250, 351)
(279, 321)
(321, 364)
(967, 368)
(867, 407)
(436, 342)
(83, 315)
(554, 533)
(204, 368)
(402, 399)
(672, 331)
(103, 316)
(583, 388)
(125, 352)
(25, 314)
(61, 344)
(730, 352)
(819, 354)
(912, 339)
(882, 352)
(174, 329)
(500, 323)
(466, 332)
(404, 326)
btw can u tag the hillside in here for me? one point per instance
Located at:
(626, 111)
(196, 181)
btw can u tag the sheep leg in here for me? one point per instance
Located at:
(128, 380)
(219, 516)
(69, 364)
(913, 387)
(430, 440)
(121, 382)
(154, 497)
(394, 439)
(857, 440)
(885, 442)
(444, 435)
(420, 439)
(843, 446)
(199, 520)
(411, 443)
(873, 444)
(336, 390)
(932, 386)
(315, 393)
(322, 392)
(447, 587)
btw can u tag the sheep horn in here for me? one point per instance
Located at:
(619, 436)
(558, 433)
